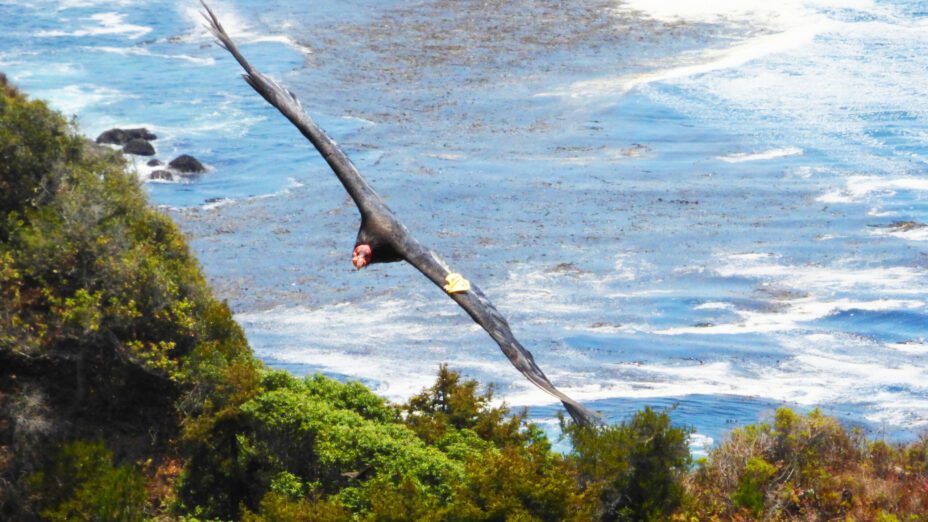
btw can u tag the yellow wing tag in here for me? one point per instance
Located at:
(456, 283)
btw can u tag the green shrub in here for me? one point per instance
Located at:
(352, 396)
(635, 468)
(36, 146)
(528, 483)
(83, 484)
(317, 436)
(750, 492)
(454, 404)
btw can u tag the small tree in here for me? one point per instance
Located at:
(453, 403)
(635, 468)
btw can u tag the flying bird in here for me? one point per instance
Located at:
(383, 239)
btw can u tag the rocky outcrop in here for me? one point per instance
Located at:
(124, 136)
(187, 164)
(136, 141)
(139, 147)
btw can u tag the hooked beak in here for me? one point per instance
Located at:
(361, 256)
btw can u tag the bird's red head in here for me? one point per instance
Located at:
(361, 256)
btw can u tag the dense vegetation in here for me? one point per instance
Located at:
(127, 392)
(108, 332)
(809, 468)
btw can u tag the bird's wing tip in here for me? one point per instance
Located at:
(214, 26)
(582, 415)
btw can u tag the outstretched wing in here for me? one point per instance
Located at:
(369, 202)
(482, 311)
(287, 103)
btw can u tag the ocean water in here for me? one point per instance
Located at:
(716, 209)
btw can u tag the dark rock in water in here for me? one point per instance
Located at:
(139, 148)
(124, 136)
(905, 226)
(162, 174)
(155, 163)
(186, 163)
(114, 136)
(140, 134)
(902, 226)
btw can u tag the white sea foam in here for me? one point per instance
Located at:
(292, 183)
(228, 119)
(823, 369)
(141, 51)
(234, 24)
(698, 63)
(803, 294)
(900, 280)
(807, 171)
(560, 295)
(875, 212)
(749, 256)
(140, 166)
(600, 328)
(624, 269)
(74, 99)
(911, 347)
(786, 13)
(106, 24)
(740, 157)
(221, 202)
(718, 378)
(916, 233)
(72, 4)
(859, 187)
(797, 312)
(540, 290)
(714, 306)
(232, 123)
(145, 171)
(700, 444)
(49, 70)
(390, 341)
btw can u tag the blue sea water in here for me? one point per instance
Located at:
(718, 208)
